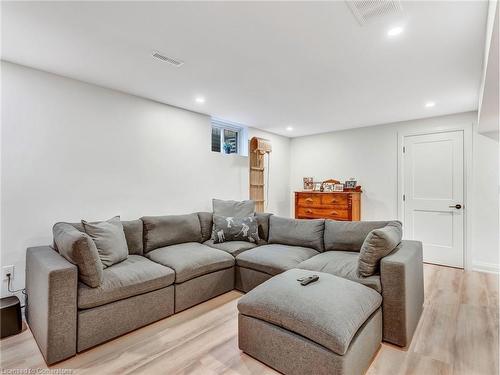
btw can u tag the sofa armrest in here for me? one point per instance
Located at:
(51, 305)
(402, 280)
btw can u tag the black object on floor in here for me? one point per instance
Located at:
(10, 316)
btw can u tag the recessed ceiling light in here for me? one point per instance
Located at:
(430, 104)
(200, 99)
(394, 31)
(289, 128)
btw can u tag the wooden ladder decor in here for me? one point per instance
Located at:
(259, 147)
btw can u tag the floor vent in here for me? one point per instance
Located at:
(169, 60)
(368, 10)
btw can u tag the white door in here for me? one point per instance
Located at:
(433, 188)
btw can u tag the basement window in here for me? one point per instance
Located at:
(228, 138)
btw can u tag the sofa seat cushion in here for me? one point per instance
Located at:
(329, 311)
(232, 247)
(191, 259)
(343, 264)
(135, 275)
(274, 259)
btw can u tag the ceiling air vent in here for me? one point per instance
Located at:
(369, 10)
(169, 60)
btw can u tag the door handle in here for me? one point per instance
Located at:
(457, 206)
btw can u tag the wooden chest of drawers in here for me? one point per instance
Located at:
(337, 206)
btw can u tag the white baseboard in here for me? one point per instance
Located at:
(486, 267)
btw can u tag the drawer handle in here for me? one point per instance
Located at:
(309, 200)
(334, 201)
(309, 211)
(334, 213)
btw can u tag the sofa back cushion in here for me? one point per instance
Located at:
(263, 222)
(378, 244)
(348, 235)
(206, 225)
(109, 239)
(78, 248)
(160, 231)
(233, 208)
(133, 234)
(297, 232)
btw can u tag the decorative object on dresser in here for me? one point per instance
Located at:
(308, 183)
(350, 184)
(328, 187)
(344, 206)
(338, 187)
(259, 147)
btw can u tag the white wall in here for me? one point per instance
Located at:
(485, 223)
(370, 155)
(72, 150)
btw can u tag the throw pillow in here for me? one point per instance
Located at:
(79, 249)
(109, 239)
(235, 229)
(233, 208)
(378, 244)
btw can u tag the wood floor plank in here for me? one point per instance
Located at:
(480, 289)
(457, 334)
(476, 341)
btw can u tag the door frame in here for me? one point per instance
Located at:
(467, 138)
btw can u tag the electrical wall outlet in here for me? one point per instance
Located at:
(6, 271)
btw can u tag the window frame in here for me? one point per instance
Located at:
(224, 125)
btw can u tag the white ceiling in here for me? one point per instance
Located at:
(264, 64)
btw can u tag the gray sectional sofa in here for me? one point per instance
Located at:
(174, 264)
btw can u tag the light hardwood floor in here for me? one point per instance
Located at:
(457, 334)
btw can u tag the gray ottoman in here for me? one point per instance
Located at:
(332, 326)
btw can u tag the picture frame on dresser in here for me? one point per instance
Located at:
(351, 184)
(328, 187)
(338, 187)
(308, 183)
